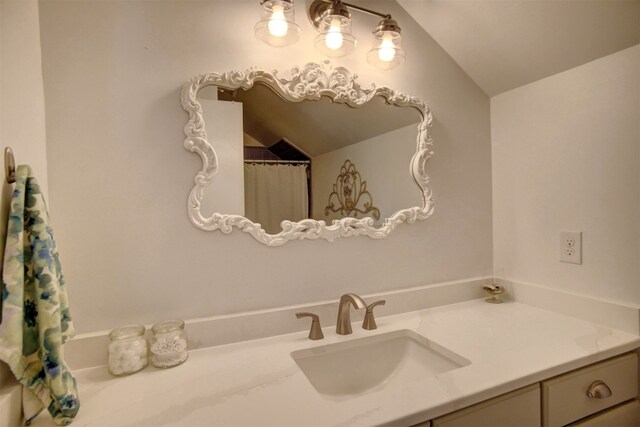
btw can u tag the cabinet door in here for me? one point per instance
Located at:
(520, 408)
(625, 415)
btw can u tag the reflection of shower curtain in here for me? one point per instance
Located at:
(275, 192)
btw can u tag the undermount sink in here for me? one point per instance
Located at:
(362, 365)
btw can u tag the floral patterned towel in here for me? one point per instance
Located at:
(35, 313)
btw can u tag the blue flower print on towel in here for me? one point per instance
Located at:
(30, 313)
(51, 367)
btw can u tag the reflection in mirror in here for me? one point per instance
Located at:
(316, 151)
(295, 153)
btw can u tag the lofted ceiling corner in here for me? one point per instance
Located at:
(505, 44)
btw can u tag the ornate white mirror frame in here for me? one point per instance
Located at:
(311, 82)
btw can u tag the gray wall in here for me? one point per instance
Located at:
(119, 175)
(566, 151)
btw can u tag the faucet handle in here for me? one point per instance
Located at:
(315, 333)
(370, 321)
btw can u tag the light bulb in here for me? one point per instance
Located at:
(334, 35)
(387, 50)
(278, 26)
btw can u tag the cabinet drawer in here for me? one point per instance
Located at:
(564, 398)
(519, 408)
(625, 415)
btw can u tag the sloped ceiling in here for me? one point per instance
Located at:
(504, 44)
(316, 127)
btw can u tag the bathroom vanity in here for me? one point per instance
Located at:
(520, 358)
(563, 400)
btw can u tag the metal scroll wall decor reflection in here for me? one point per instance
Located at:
(350, 196)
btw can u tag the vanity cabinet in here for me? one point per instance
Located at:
(565, 400)
(625, 415)
(518, 408)
(562, 400)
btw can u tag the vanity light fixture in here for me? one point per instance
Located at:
(277, 26)
(333, 19)
(387, 51)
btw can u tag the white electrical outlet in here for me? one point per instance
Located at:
(571, 247)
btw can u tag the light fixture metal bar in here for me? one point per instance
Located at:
(369, 11)
(318, 7)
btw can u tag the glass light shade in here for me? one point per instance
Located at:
(335, 38)
(387, 51)
(277, 26)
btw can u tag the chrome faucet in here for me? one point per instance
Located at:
(343, 325)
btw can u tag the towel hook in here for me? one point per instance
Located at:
(9, 166)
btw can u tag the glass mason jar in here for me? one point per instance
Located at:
(168, 344)
(127, 350)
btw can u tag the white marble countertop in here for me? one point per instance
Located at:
(256, 383)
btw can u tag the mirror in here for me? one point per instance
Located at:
(313, 155)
